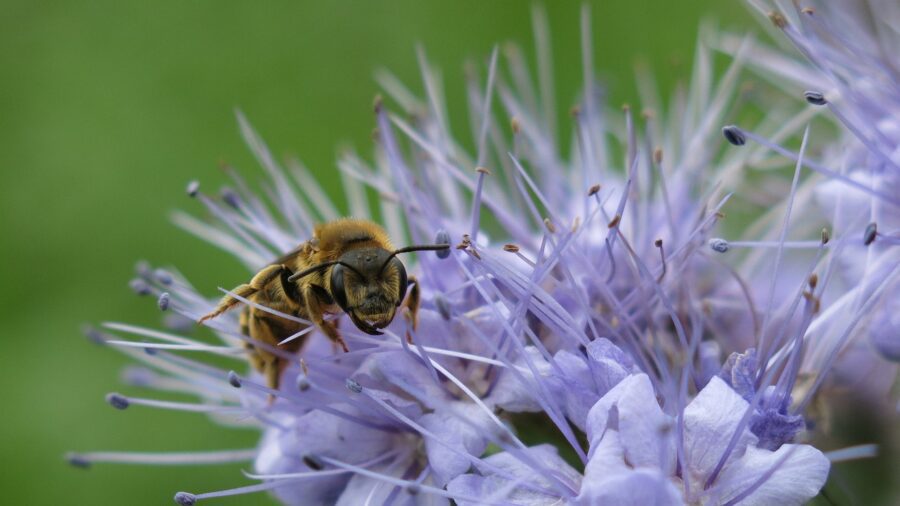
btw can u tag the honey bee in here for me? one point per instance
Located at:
(349, 265)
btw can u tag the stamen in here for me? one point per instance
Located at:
(719, 245)
(162, 458)
(815, 98)
(870, 233)
(163, 276)
(117, 401)
(234, 380)
(443, 306)
(853, 453)
(442, 237)
(163, 301)
(734, 135)
(354, 386)
(185, 499)
(139, 286)
(192, 188)
(662, 257)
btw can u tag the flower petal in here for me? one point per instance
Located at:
(800, 473)
(488, 486)
(642, 425)
(710, 420)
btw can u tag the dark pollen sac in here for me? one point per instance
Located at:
(734, 135)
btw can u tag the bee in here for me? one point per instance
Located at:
(349, 265)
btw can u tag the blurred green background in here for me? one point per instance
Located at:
(108, 108)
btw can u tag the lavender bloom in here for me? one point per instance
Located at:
(587, 288)
(847, 63)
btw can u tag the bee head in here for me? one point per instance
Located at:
(369, 284)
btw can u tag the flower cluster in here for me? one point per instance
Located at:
(586, 291)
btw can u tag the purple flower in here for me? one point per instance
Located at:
(586, 290)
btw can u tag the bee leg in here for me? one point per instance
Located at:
(262, 278)
(272, 370)
(412, 304)
(315, 312)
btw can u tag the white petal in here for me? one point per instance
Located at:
(796, 480)
(710, 420)
(642, 426)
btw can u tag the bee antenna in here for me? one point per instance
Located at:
(408, 249)
(319, 267)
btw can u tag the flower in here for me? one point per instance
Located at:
(845, 65)
(587, 291)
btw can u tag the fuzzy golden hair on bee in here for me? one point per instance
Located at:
(350, 266)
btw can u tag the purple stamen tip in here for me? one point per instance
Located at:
(442, 237)
(139, 286)
(302, 383)
(313, 462)
(185, 499)
(734, 135)
(234, 380)
(117, 401)
(77, 460)
(870, 233)
(815, 97)
(354, 386)
(163, 301)
(192, 188)
(718, 245)
(163, 276)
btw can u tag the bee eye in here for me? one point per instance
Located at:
(401, 273)
(337, 286)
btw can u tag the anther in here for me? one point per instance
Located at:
(117, 401)
(510, 248)
(662, 256)
(826, 236)
(413, 489)
(778, 19)
(593, 190)
(139, 286)
(443, 307)
(313, 462)
(515, 125)
(813, 281)
(163, 301)
(718, 244)
(231, 198)
(377, 103)
(143, 269)
(185, 499)
(192, 188)
(550, 226)
(77, 460)
(234, 380)
(353, 386)
(482, 170)
(734, 135)
(163, 276)
(815, 97)
(657, 156)
(809, 11)
(93, 335)
(302, 383)
(615, 221)
(442, 237)
(870, 233)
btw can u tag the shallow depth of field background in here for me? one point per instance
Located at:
(108, 109)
